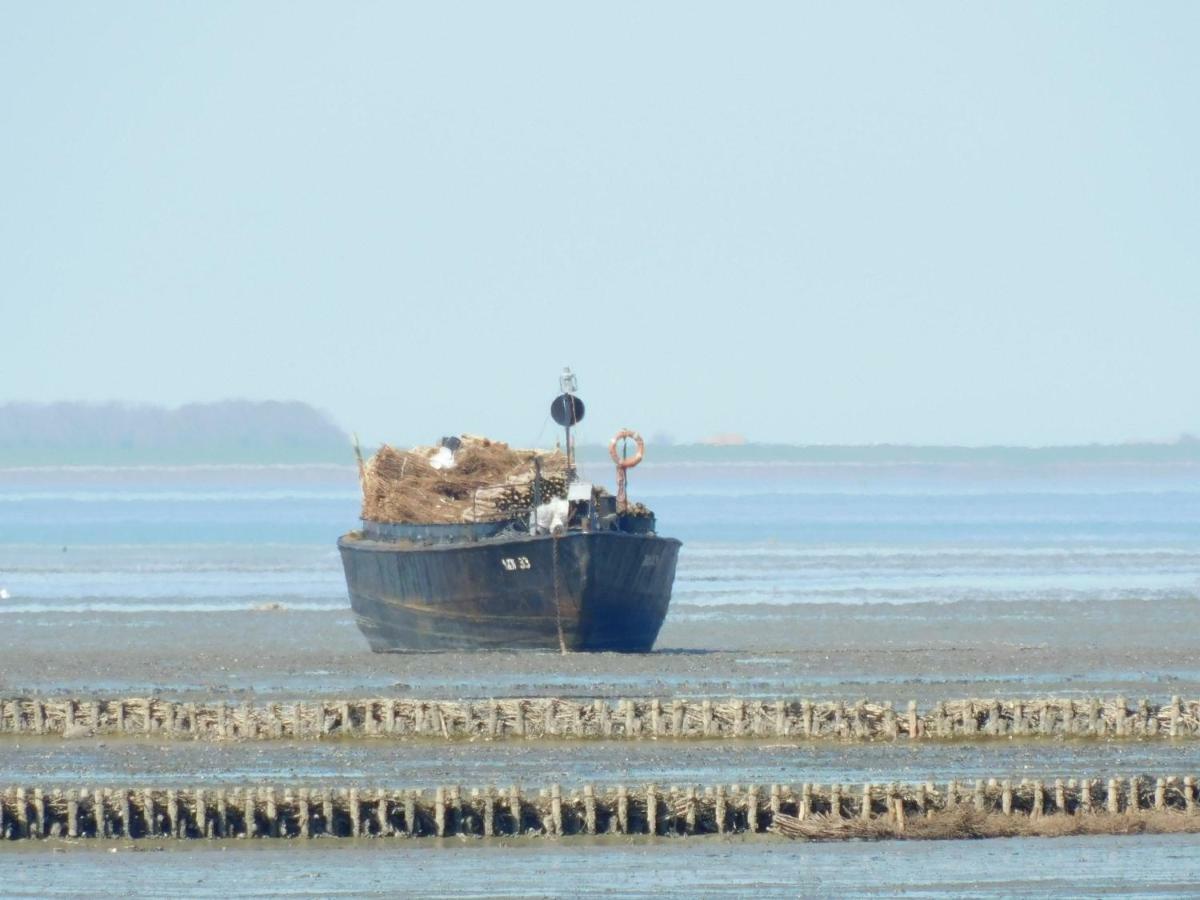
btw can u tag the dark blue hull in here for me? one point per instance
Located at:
(583, 591)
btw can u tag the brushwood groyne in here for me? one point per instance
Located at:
(623, 719)
(1158, 803)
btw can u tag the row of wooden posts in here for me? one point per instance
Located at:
(376, 812)
(533, 718)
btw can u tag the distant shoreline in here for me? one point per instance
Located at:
(249, 433)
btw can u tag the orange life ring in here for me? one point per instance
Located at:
(633, 460)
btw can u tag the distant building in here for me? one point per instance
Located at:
(725, 440)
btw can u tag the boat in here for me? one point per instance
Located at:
(541, 561)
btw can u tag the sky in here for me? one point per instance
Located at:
(959, 223)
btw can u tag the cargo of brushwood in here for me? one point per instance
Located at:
(483, 481)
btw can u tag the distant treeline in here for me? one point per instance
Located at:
(234, 431)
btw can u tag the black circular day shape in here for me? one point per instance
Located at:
(567, 410)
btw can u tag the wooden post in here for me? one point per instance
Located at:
(913, 724)
(941, 723)
(1046, 718)
(304, 814)
(806, 718)
(589, 809)
(1060, 796)
(806, 791)
(865, 809)
(719, 809)
(126, 817)
(222, 814)
(72, 812)
(781, 720)
(835, 800)
(655, 718)
(199, 814)
(980, 797)
(327, 813)
(22, 813)
(992, 724)
(970, 725)
(890, 729)
(493, 719)
(1114, 798)
(556, 817)
(173, 814)
(689, 819)
(706, 718)
(383, 813)
(439, 811)
(410, 813)
(1085, 797)
(752, 809)
(248, 811)
(271, 809)
(1160, 794)
(897, 801)
(1068, 717)
(489, 812)
(456, 810)
(622, 810)
(514, 807)
(1018, 717)
(1006, 797)
(604, 718)
(39, 813)
(1039, 799)
(1122, 715)
(677, 717)
(1189, 794)
(99, 814)
(630, 727)
(776, 802)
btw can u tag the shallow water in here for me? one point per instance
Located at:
(421, 764)
(1069, 867)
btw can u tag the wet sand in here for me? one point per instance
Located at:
(925, 652)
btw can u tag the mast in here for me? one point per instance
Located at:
(567, 411)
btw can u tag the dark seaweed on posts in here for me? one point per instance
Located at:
(539, 562)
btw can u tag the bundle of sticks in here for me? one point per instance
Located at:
(486, 481)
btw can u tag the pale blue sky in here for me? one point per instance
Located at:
(947, 223)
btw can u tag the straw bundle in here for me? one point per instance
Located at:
(489, 481)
